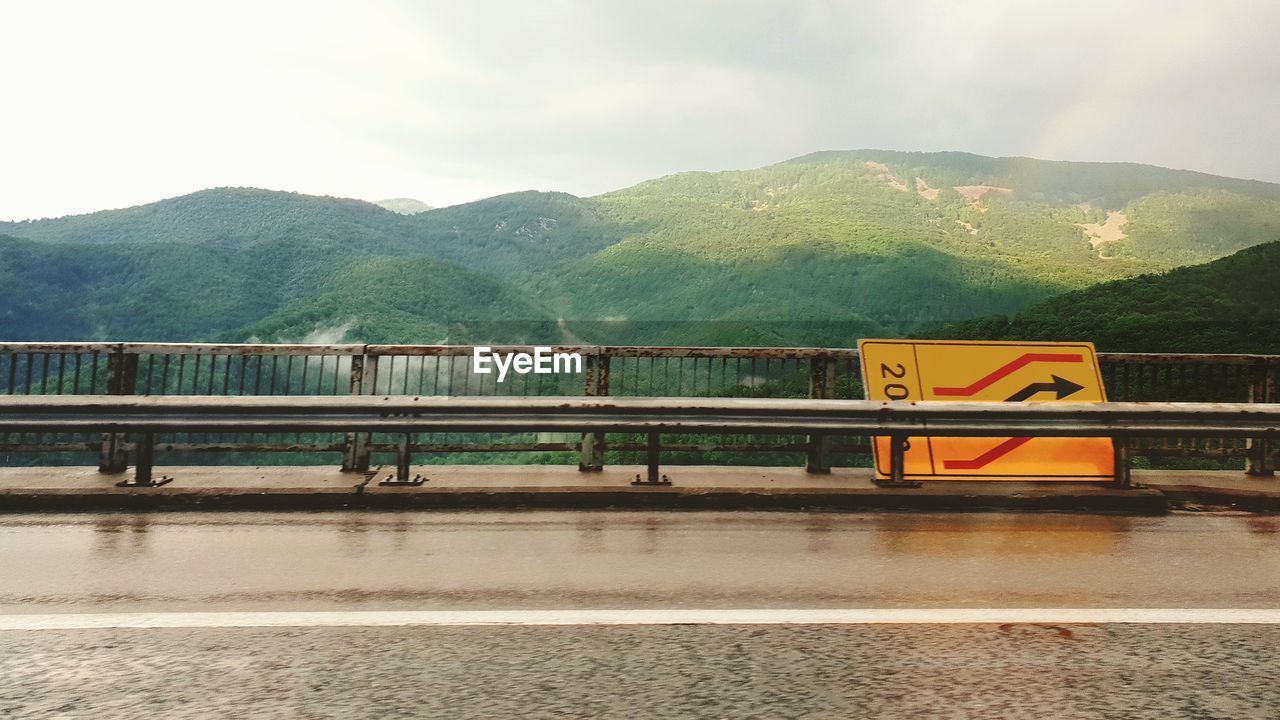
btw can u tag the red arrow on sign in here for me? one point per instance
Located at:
(987, 457)
(1007, 370)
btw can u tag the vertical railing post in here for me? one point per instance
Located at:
(122, 379)
(591, 454)
(1121, 466)
(1262, 389)
(822, 386)
(144, 463)
(356, 451)
(404, 450)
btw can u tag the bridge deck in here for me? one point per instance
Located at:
(305, 487)
(562, 476)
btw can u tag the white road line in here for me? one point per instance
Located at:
(944, 616)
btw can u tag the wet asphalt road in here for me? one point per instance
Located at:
(482, 560)
(358, 561)
(1119, 672)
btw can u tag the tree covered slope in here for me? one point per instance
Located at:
(821, 249)
(1229, 305)
(296, 290)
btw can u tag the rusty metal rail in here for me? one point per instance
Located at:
(145, 416)
(676, 415)
(287, 370)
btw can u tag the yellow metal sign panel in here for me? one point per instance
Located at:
(955, 370)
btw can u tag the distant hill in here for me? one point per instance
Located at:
(404, 206)
(1228, 305)
(817, 250)
(221, 216)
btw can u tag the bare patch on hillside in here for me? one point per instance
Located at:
(974, 193)
(887, 176)
(925, 191)
(1109, 231)
(967, 227)
(328, 335)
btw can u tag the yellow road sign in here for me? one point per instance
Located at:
(957, 370)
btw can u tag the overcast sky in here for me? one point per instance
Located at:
(115, 104)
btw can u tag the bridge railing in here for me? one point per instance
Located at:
(144, 417)
(160, 369)
(1190, 378)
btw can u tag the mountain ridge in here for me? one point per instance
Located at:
(403, 205)
(1264, 186)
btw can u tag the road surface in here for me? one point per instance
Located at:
(354, 615)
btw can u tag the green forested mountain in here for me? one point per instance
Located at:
(292, 290)
(1228, 305)
(816, 250)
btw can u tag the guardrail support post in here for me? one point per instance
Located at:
(652, 451)
(1121, 454)
(822, 385)
(591, 458)
(898, 445)
(355, 453)
(402, 459)
(146, 448)
(1261, 450)
(144, 464)
(404, 454)
(122, 379)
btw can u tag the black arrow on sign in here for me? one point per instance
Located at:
(1061, 386)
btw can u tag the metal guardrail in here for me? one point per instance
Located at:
(286, 370)
(146, 416)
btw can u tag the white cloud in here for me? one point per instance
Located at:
(112, 104)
